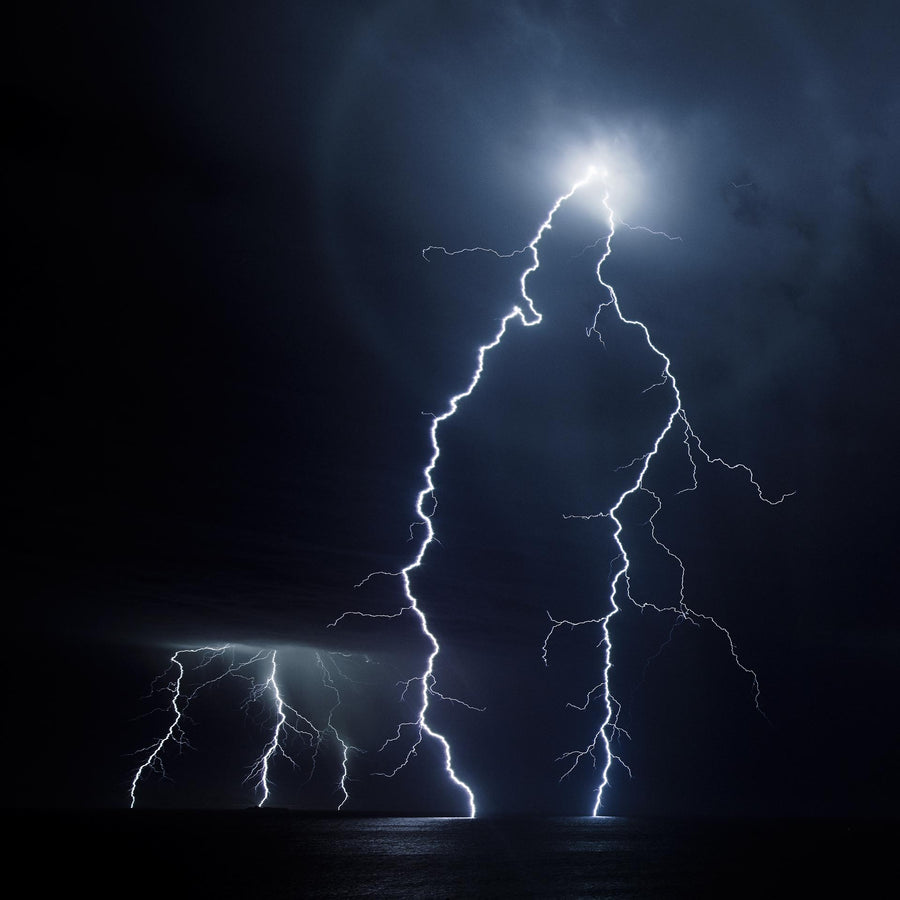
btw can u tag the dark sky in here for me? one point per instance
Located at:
(222, 336)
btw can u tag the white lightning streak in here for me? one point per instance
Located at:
(174, 734)
(609, 728)
(650, 231)
(287, 719)
(179, 703)
(528, 315)
(328, 682)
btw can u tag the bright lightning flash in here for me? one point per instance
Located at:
(425, 681)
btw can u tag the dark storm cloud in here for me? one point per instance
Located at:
(705, 98)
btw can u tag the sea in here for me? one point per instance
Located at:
(278, 854)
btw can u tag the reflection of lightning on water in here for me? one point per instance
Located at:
(184, 682)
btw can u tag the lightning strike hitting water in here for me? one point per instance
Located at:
(175, 734)
(418, 728)
(288, 724)
(609, 730)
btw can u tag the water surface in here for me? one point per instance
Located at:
(278, 855)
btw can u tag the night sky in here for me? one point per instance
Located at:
(222, 335)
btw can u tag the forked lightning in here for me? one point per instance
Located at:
(289, 725)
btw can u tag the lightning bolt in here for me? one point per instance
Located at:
(288, 725)
(288, 722)
(599, 750)
(424, 683)
(181, 698)
(609, 730)
(330, 728)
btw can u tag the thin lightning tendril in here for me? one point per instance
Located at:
(180, 701)
(328, 683)
(664, 234)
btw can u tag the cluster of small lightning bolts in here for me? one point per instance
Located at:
(423, 684)
(609, 730)
(189, 674)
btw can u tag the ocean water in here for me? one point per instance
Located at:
(275, 854)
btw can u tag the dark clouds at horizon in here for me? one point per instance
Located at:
(223, 335)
